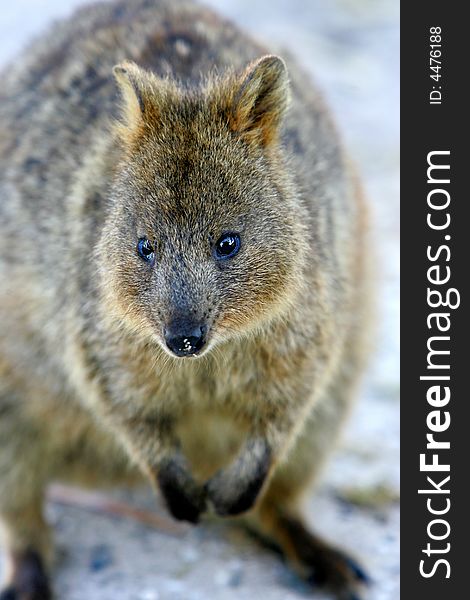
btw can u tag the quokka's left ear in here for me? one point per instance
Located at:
(260, 100)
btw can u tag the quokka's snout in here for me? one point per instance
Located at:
(184, 313)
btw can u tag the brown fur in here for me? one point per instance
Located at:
(202, 144)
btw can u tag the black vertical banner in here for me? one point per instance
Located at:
(435, 256)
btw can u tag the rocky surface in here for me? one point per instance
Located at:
(351, 47)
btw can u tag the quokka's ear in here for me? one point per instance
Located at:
(141, 91)
(261, 100)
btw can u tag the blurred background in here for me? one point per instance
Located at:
(351, 48)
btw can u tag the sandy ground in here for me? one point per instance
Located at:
(351, 48)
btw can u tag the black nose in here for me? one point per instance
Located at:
(185, 339)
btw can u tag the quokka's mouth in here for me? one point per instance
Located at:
(185, 356)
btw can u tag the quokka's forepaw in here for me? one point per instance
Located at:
(30, 581)
(184, 498)
(235, 489)
(181, 505)
(230, 500)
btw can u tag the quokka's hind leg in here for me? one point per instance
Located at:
(28, 579)
(320, 564)
(278, 517)
(25, 533)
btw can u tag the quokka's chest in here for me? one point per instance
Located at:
(212, 383)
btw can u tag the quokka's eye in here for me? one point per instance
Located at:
(145, 250)
(227, 246)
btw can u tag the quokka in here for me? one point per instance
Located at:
(183, 279)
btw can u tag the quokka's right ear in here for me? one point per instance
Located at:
(131, 83)
(142, 97)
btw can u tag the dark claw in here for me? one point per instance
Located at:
(358, 571)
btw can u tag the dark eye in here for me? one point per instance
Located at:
(145, 250)
(227, 246)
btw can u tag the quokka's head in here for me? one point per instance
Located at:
(204, 241)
